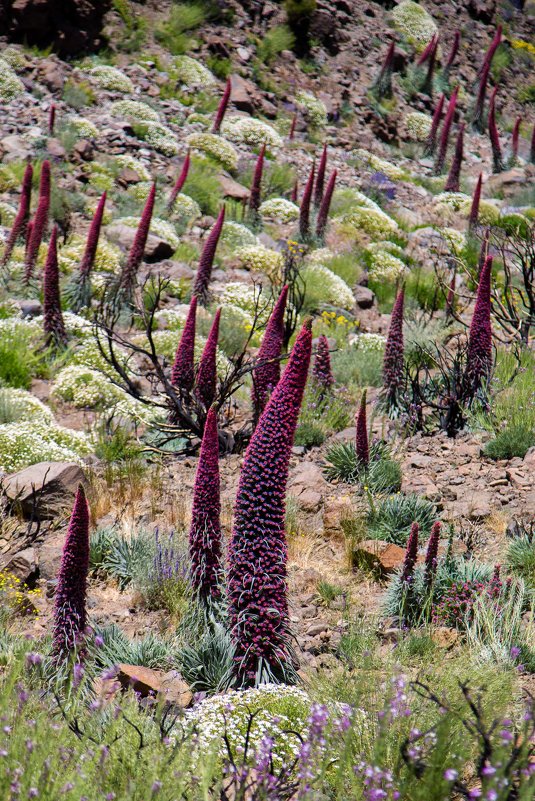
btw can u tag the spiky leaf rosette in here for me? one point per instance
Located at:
(474, 208)
(431, 554)
(70, 617)
(222, 107)
(255, 196)
(478, 115)
(411, 555)
(205, 531)
(182, 372)
(479, 356)
(361, 441)
(382, 86)
(53, 324)
(180, 181)
(323, 213)
(18, 229)
(497, 158)
(451, 57)
(205, 384)
(394, 353)
(258, 603)
(514, 141)
(445, 133)
(454, 175)
(127, 280)
(321, 369)
(266, 375)
(206, 262)
(39, 222)
(431, 141)
(320, 178)
(304, 209)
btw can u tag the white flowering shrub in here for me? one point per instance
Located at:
(386, 267)
(40, 440)
(185, 208)
(110, 78)
(191, 73)
(418, 125)
(389, 247)
(204, 121)
(8, 178)
(279, 209)
(161, 138)
(320, 256)
(374, 222)
(141, 190)
(17, 328)
(453, 200)
(14, 56)
(322, 286)
(100, 177)
(7, 214)
(236, 235)
(314, 109)
(248, 131)
(370, 342)
(260, 259)
(377, 164)
(107, 258)
(125, 161)
(159, 227)
(134, 110)
(20, 405)
(216, 147)
(244, 297)
(83, 127)
(10, 85)
(454, 239)
(415, 23)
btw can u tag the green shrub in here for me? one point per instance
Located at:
(392, 518)
(320, 417)
(521, 557)
(19, 362)
(310, 434)
(118, 556)
(358, 367)
(515, 440)
(221, 67)
(383, 474)
(273, 42)
(203, 186)
(173, 34)
(206, 664)
(78, 94)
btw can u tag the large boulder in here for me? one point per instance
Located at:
(168, 687)
(157, 249)
(43, 488)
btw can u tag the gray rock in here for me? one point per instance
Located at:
(156, 249)
(364, 297)
(44, 487)
(23, 565)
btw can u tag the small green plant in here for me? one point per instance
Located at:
(273, 42)
(521, 554)
(206, 664)
(174, 33)
(310, 434)
(115, 648)
(383, 474)
(19, 362)
(221, 67)
(358, 367)
(203, 185)
(392, 518)
(514, 440)
(118, 556)
(115, 443)
(327, 592)
(78, 94)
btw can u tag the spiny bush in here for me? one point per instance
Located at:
(392, 518)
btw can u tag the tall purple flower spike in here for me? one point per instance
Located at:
(206, 381)
(532, 146)
(180, 181)
(39, 222)
(266, 376)
(454, 176)
(53, 324)
(257, 591)
(489, 55)
(474, 208)
(205, 530)
(497, 158)
(291, 135)
(320, 178)
(450, 299)
(394, 350)
(304, 209)
(127, 280)
(323, 213)
(382, 86)
(361, 440)
(431, 555)
(18, 229)
(478, 116)
(51, 118)
(93, 235)
(222, 108)
(182, 372)
(428, 49)
(70, 617)
(479, 356)
(445, 133)
(321, 369)
(206, 262)
(514, 141)
(452, 56)
(255, 196)
(431, 141)
(427, 85)
(411, 555)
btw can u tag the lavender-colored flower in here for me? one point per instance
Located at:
(18, 229)
(304, 209)
(320, 178)
(361, 441)
(431, 141)
(325, 206)
(445, 133)
(206, 380)
(454, 176)
(182, 372)
(206, 262)
(267, 373)
(137, 251)
(497, 158)
(39, 223)
(181, 180)
(222, 108)
(53, 324)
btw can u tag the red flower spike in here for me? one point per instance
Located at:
(304, 210)
(53, 324)
(514, 140)
(18, 229)
(137, 251)
(532, 147)
(181, 180)
(394, 349)
(382, 86)
(321, 370)
(452, 55)
(474, 208)
(454, 176)
(431, 554)
(479, 357)
(295, 190)
(431, 141)
(489, 55)
(39, 223)
(478, 116)
(266, 376)
(207, 373)
(361, 441)
(51, 118)
(323, 212)
(257, 589)
(205, 530)
(411, 555)
(182, 372)
(222, 108)
(320, 178)
(445, 133)
(70, 617)
(427, 86)
(206, 262)
(428, 49)
(88, 259)
(497, 159)
(255, 196)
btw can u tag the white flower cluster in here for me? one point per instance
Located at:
(418, 125)
(10, 85)
(216, 147)
(334, 289)
(107, 258)
(7, 214)
(377, 164)
(374, 222)
(248, 131)
(320, 256)
(237, 235)
(159, 227)
(185, 208)
(101, 177)
(22, 405)
(17, 328)
(161, 138)
(414, 22)
(280, 209)
(110, 78)
(141, 190)
(384, 266)
(454, 239)
(83, 127)
(260, 259)
(370, 342)
(453, 200)
(40, 440)
(191, 73)
(245, 297)
(125, 161)
(203, 120)
(314, 109)
(8, 179)
(14, 56)
(134, 110)
(389, 247)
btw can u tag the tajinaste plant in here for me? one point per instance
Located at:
(39, 222)
(361, 440)
(323, 213)
(427, 84)
(497, 159)
(206, 380)
(382, 86)
(321, 369)
(478, 115)
(450, 299)
(18, 229)
(320, 178)
(454, 175)
(266, 375)
(51, 118)
(205, 530)
(181, 180)
(29, 228)
(411, 555)
(479, 356)
(70, 617)
(394, 353)
(489, 55)
(295, 191)
(127, 279)
(80, 292)
(222, 108)
(53, 324)
(255, 196)
(431, 555)
(291, 135)
(532, 146)
(514, 142)
(474, 208)
(257, 591)
(428, 49)
(445, 133)
(304, 208)
(182, 372)
(206, 262)
(431, 141)
(451, 57)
